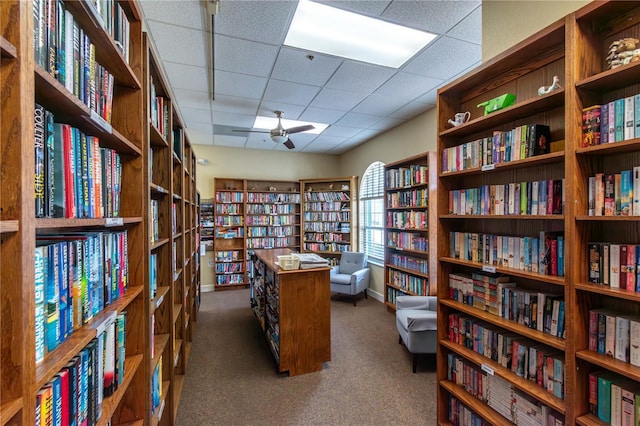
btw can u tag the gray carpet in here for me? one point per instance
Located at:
(232, 380)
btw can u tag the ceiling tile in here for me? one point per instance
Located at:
(239, 120)
(192, 99)
(444, 58)
(243, 56)
(359, 77)
(353, 119)
(186, 76)
(290, 111)
(470, 28)
(408, 86)
(428, 98)
(257, 20)
(191, 115)
(370, 8)
(340, 131)
(206, 128)
(181, 13)
(244, 86)
(321, 115)
(379, 105)
(291, 93)
(410, 110)
(235, 105)
(179, 44)
(292, 65)
(337, 99)
(434, 16)
(233, 141)
(197, 137)
(387, 123)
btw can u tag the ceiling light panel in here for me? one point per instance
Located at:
(269, 123)
(320, 28)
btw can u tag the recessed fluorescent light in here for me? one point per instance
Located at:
(326, 29)
(269, 123)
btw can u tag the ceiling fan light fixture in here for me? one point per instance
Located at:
(279, 138)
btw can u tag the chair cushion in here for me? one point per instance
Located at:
(351, 262)
(417, 320)
(343, 279)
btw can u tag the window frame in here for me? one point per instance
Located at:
(368, 193)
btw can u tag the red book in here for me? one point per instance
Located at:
(553, 244)
(624, 255)
(66, 398)
(550, 201)
(631, 267)
(69, 173)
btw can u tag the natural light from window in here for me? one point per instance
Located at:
(371, 207)
(325, 29)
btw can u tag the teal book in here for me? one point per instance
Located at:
(605, 380)
(618, 117)
(626, 192)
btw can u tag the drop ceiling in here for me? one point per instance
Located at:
(255, 74)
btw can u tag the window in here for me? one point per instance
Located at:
(372, 213)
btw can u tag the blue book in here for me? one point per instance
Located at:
(527, 254)
(626, 192)
(558, 377)
(561, 320)
(535, 254)
(57, 400)
(637, 116)
(560, 255)
(604, 124)
(618, 123)
(52, 300)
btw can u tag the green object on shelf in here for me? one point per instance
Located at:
(500, 102)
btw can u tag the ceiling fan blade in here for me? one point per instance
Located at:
(250, 131)
(289, 144)
(300, 129)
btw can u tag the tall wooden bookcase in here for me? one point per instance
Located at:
(575, 49)
(146, 167)
(410, 211)
(330, 216)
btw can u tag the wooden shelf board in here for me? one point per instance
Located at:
(9, 409)
(178, 384)
(502, 217)
(404, 290)
(160, 343)
(176, 274)
(52, 224)
(156, 138)
(426, 253)
(187, 352)
(110, 404)
(590, 420)
(587, 218)
(159, 412)
(524, 385)
(158, 189)
(551, 279)
(176, 159)
(624, 368)
(609, 80)
(177, 350)
(55, 360)
(553, 157)
(404, 188)
(161, 293)
(177, 309)
(8, 226)
(611, 148)
(547, 339)
(229, 286)
(408, 271)
(159, 243)
(7, 49)
(67, 107)
(608, 291)
(480, 408)
(407, 207)
(391, 228)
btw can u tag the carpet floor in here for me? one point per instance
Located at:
(232, 378)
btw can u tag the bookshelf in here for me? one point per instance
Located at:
(574, 48)
(229, 234)
(330, 216)
(206, 221)
(411, 215)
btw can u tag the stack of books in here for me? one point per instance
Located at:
(311, 260)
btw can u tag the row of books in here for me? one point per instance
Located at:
(322, 227)
(229, 221)
(416, 285)
(615, 335)
(157, 402)
(412, 198)
(407, 219)
(326, 196)
(115, 22)
(543, 197)
(270, 197)
(498, 295)
(407, 241)
(543, 255)
(271, 208)
(64, 50)
(615, 265)
(615, 194)
(229, 268)
(270, 231)
(75, 394)
(519, 143)
(419, 265)
(614, 399)
(76, 276)
(229, 209)
(74, 177)
(324, 237)
(530, 360)
(233, 232)
(615, 121)
(272, 220)
(326, 206)
(229, 197)
(230, 279)
(406, 176)
(514, 405)
(229, 255)
(153, 275)
(392, 293)
(461, 415)
(159, 111)
(343, 216)
(332, 247)
(154, 222)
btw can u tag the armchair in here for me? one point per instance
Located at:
(351, 276)
(416, 319)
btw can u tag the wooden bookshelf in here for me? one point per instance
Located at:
(574, 48)
(410, 214)
(329, 216)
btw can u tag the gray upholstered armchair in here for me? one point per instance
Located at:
(351, 276)
(416, 319)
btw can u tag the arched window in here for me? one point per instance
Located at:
(371, 206)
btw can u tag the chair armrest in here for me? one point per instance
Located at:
(359, 275)
(421, 320)
(427, 303)
(334, 270)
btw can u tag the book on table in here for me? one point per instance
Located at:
(310, 260)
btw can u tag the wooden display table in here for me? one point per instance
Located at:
(294, 310)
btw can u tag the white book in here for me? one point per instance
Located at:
(554, 317)
(629, 122)
(614, 265)
(634, 341)
(636, 191)
(542, 297)
(605, 264)
(622, 338)
(592, 196)
(610, 335)
(521, 253)
(512, 198)
(612, 122)
(616, 404)
(534, 197)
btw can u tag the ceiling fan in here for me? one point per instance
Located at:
(280, 134)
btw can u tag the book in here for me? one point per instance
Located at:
(619, 116)
(604, 123)
(629, 120)
(591, 126)
(40, 164)
(539, 139)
